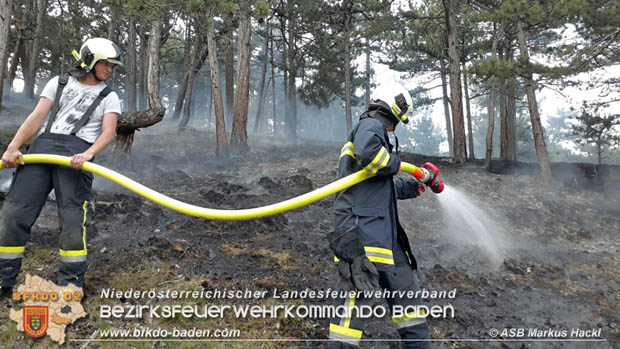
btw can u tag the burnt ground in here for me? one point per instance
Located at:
(556, 266)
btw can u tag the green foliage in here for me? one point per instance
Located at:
(261, 9)
(422, 135)
(327, 25)
(410, 40)
(597, 130)
(415, 42)
(147, 10)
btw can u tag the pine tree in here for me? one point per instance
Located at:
(600, 131)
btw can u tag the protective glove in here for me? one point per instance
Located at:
(355, 269)
(344, 271)
(364, 274)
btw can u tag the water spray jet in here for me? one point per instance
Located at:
(470, 223)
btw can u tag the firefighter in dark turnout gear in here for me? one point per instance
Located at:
(81, 124)
(371, 247)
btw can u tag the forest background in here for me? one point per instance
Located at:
(305, 69)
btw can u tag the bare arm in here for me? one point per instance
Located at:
(26, 130)
(108, 131)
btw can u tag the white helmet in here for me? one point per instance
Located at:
(395, 98)
(96, 49)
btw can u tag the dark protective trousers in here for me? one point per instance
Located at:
(346, 332)
(29, 190)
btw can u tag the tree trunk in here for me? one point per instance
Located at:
(143, 71)
(5, 22)
(508, 118)
(367, 82)
(491, 107)
(33, 63)
(191, 78)
(210, 99)
(261, 96)
(178, 105)
(508, 149)
(273, 86)
(187, 103)
(491, 125)
(154, 66)
(25, 53)
(12, 70)
(198, 58)
(537, 129)
(131, 121)
(291, 123)
(239, 134)
(113, 24)
(131, 67)
(113, 36)
(470, 134)
(347, 71)
(503, 136)
(285, 69)
(446, 105)
(347, 82)
(220, 120)
(14, 62)
(511, 119)
(187, 63)
(24, 59)
(230, 76)
(460, 151)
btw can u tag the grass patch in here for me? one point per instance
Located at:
(282, 258)
(8, 331)
(37, 257)
(236, 250)
(161, 277)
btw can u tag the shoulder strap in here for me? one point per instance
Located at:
(62, 82)
(84, 119)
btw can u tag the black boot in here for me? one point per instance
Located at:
(6, 292)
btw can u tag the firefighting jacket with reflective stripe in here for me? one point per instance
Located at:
(371, 204)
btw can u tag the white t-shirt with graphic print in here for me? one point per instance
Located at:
(75, 100)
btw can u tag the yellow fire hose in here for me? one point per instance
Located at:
(210, 213)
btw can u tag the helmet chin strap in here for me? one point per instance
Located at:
(397, 151)
(382, 114)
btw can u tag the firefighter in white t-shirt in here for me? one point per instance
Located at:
(83, 113)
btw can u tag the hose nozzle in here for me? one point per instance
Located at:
(435, 184)
(428, 175)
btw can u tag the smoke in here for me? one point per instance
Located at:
(15, 109)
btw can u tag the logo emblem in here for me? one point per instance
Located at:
(36, 319)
